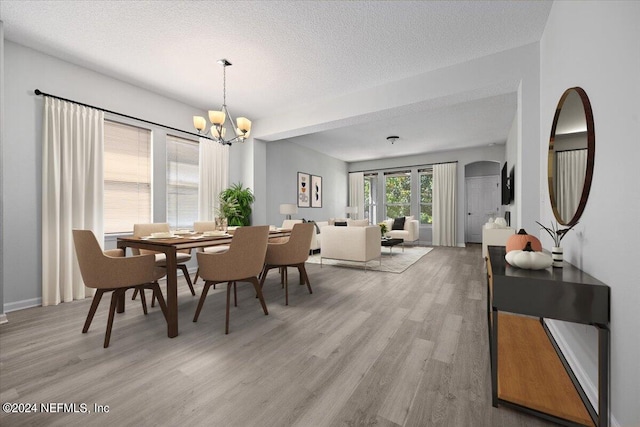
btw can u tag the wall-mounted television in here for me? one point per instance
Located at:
(512, 186)
(506, 195)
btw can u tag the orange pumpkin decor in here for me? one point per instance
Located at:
(518, 241)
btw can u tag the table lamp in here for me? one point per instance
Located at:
(288, 209)
(351, 211)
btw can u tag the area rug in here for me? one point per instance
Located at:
(397, 262)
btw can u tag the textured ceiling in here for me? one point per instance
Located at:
(284, 53)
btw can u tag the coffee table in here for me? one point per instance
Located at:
(390, 243)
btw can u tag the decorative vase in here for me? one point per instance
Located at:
(556, 254)
(221, 224)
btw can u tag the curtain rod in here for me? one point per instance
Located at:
(39, 92)
(404, 167)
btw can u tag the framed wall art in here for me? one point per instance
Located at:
(304, 190)
(316, 191)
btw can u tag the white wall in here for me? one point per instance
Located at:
(594, 45)
(463, 157)
(3, 317)
(283, 162)
(511, 157)
(24, 71)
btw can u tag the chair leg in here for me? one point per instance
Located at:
(235, 295)
(226, 322)
(256, 285)
(286, 292)
(135, 294)
(197, 275)
(263, 277)
(185, 272)
(303, 276)
(92, 310)
(158, 293)
(205, 289)
(112, 309)
(143, 299)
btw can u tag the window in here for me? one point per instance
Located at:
(127, 177)
(370, 189)
(182, 182)
(398, 194)
(426, 196)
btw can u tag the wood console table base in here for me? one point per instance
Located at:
(531, 373)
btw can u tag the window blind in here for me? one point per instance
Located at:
(182, 182)
(127, 177)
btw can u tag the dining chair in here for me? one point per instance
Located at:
(241, 263)
(111, 271)
(201, 227)
(293, 253)
(183, 256)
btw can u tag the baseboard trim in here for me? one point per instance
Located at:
(588, 387)
(37, 302)
(3, 319)
(21, 305)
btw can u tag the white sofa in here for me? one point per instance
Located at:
(315, 237)
(410, 233)
(359, 244)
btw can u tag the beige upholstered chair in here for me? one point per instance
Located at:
(142, 230)
(241, 263)
(201, 227)
(110, 271)
(292, 253)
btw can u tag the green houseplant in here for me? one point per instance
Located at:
(243, 197)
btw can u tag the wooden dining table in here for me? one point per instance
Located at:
(170, 247)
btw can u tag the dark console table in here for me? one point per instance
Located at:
(522, 348)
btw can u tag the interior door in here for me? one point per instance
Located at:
(483, 201)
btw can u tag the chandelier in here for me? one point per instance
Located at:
(218, 118)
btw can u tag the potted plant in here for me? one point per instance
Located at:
(243, 198)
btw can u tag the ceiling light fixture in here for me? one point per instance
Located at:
(392, 139)
(242, 127)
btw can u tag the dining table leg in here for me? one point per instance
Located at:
(172, 293)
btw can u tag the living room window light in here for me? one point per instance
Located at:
(426, 196)
(182, 182)
(370, 197)
(127, 177)
(397, 194)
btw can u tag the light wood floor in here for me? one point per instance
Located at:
(368, 348)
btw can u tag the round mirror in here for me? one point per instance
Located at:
(571, 152)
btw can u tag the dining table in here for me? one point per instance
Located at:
(170, 246)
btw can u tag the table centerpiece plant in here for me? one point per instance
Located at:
(383, 228)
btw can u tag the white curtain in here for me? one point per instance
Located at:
(571, 170)
(356, 193)
(214, 177)
(445, 178)
(72, 193)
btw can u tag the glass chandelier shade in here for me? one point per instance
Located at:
(242, 127)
